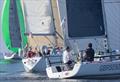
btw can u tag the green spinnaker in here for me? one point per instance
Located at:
(5, 25)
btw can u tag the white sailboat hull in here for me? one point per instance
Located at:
(37, 64)
(11, 56)
(34, 64)
(87, 70)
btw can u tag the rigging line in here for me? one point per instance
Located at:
(49, 40)
(35, 42)
(53, 18)
(28, 41)
(59, 35)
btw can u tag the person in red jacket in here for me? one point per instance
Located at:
(31, 53)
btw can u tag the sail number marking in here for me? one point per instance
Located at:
(109, 67)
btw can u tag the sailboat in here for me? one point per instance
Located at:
(86, 19)
(12, 29)
(40, 28)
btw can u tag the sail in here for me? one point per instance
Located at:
(62, 10)
(58, 29)
(61, 4)
(76, 42)
(13, 25)
(85, 18)
(112, 10)
(112, 19)
(38, 17)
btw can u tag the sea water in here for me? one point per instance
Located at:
(13, 71)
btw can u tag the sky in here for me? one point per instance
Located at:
(0, 11)
(0, 3)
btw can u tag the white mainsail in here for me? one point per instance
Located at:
(112, 10)
(38, 17)
(39, 22)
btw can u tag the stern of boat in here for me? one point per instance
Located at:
(62, 72)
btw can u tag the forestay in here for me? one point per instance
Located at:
(38, 16)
